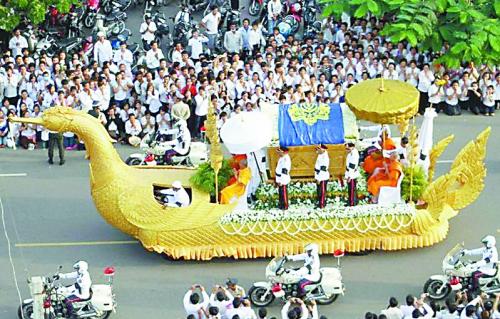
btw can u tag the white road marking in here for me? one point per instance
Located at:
(78, 243)
(14, 175)
(444, 161)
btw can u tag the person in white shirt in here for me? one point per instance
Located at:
(192, 303)
(489, 100)
(133, 128)
(196, 45)
(124, 56)
(255, 38)
(103, 52)
(322, 173)
(177, 197)
(436, 96)
(274, 9)
(211, 23)
(147, 30)
(287, 313)
(282, 173)
(17, 43)
(425, 79)
(352, 172)
(452, 95)
(392, 311)
(153, 57)
(221, 299)
(201, 99)
(148, 123)
(407, 309)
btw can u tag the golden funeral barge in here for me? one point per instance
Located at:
(124, 197)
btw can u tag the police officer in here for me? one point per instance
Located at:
(282, 173)
(351, 173)
(321, 173)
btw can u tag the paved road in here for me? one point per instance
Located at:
(53, 204)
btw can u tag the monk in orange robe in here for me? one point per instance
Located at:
(235, 164)
(243, 177)
(376, 159)
(386, 176)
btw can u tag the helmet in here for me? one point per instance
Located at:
(489, 241)
(312, 248)
(81, 266)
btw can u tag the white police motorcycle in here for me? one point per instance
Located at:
(47, 302)
(284, 283)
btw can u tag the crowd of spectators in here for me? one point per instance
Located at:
(134, 100)
(231, 302)
(463, 306)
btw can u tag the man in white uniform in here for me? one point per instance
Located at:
(175, 196)
(17, 43)
(321, 173)
(310, 271)
(80, 290)
(487, 264)
(282, 173)
(257, 164)
(351, 173)
(147, 30)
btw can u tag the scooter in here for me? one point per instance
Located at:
(154, 148)
(457, 275)
(284, 283)
(48, 302)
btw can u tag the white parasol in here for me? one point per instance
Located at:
(425, 138)
(246, 132)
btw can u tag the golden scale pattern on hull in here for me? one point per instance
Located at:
(123, 195)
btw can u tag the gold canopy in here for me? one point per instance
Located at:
(383, 101)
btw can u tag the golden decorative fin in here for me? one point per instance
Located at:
(465, 181)
(436, 152)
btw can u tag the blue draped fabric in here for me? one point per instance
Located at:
(294, 131)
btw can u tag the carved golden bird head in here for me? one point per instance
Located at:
(59, 119)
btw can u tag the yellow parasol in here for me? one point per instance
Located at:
(383, 101)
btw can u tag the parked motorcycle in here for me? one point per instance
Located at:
(90, 14)
(112, 24)
(291, 23)
(255, 7)
(100, 305)
(162, 34)
(284, 283)
(154, 147)
(457, 275)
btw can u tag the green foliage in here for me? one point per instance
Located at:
(419, 183)
(204, 178)
(12, 11)
(429, 24)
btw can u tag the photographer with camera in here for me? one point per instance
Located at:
(192, 303)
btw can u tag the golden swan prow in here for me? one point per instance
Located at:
(123, 195)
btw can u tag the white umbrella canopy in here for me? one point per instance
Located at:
(246, 132)
(425, 138)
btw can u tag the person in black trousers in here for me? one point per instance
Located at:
(56, 138)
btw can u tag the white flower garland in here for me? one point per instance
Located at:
(308, 212)
(363, 218)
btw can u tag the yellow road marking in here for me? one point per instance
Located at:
(79, 243)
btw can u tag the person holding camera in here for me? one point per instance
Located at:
(192, 303)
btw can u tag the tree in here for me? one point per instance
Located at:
(470, 27)
(12, 11)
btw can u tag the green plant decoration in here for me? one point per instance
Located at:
(420, 183)
(204, 178)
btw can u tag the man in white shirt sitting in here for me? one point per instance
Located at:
(176, 197)
(133, 129)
